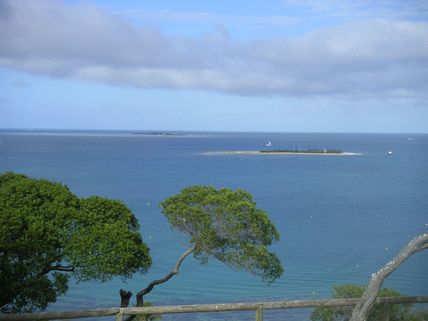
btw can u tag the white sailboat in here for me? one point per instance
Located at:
(268, 144)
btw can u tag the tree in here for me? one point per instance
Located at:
(222, 224)
(380, 312)
(48, 234)
(363, 308)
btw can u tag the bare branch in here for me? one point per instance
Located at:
(63, 268)
(174, 271)
(125, 296)
(59, 267)
(367, 301)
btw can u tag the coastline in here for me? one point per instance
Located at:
(254, 152)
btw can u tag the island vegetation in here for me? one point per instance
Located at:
(304, 151)
(309, 152)
(159, 133)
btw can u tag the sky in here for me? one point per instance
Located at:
(191, 65)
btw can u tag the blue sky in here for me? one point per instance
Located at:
(288, 66)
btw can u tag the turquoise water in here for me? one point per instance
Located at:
(340, 218)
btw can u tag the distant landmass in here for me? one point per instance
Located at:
(321, 152)
(303, 151)
(159, 133)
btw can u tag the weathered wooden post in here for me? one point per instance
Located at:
(259, 314)
(119, 316)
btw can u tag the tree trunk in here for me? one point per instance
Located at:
(124, 298)
(363, 308)
(126, 295)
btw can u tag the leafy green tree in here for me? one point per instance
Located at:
(222, 224)
(48, 234)
(380, 312)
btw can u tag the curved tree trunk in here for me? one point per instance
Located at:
(174, 271)
(363, 308)
(125, 296)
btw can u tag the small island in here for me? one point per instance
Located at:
(315, 152)
(159, 133)
(303, 151)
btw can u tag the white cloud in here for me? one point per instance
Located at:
(82, 41)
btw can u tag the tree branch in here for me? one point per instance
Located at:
(125, 296)
(58, 267)
(363, 308)
(174, 271)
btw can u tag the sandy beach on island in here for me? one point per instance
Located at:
(255, 152)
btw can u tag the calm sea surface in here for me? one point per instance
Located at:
(340, 218)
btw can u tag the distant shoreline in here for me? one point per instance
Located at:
(255, 152)
(159, 134)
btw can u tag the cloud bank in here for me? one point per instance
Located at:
(81, 41)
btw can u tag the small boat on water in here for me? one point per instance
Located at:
(390, 152)
(268, 144)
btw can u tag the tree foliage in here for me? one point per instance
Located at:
(222, 224)
(48, 234)
(380, 312)
(226, 225)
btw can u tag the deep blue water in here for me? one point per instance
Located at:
(340, 218)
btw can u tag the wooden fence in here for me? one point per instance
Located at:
(258, 307)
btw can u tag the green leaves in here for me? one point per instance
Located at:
(46, 231)
(383, 311)
(226, 225)
(106, 241)
(32, 223)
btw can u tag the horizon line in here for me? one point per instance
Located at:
(4, 129)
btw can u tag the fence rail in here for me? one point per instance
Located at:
(258, 307)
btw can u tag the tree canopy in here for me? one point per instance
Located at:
(221, 224)
(380, 312)
(48, 234)
(226, 225)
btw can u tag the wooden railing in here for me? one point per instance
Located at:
(258, 307)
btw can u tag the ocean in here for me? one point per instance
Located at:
(341, 218)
